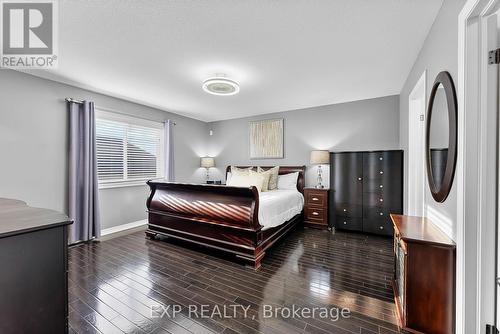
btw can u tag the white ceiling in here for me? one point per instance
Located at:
(285, 54)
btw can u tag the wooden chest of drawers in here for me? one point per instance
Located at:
(424, 276)
(34, 262)
(366, 187)
(316, 208)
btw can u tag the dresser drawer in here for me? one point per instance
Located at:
(377, 212)
(316, 198)
(349, 223)
(382, 160)
(316, 214)
(377, 186)
(382, 226)
(375, 203)
(348, 210)
(376, 177)
(374, 200)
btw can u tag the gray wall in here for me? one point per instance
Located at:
(34, 150)
(361, 125)
(439, 53)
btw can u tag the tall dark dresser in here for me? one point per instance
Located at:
(366, 187)
(34, 264)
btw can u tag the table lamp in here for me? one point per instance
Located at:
(320, 157)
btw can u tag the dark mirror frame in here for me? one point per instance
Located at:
(440, 194)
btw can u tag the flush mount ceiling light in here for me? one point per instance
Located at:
(221, 86)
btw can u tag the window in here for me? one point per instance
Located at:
(129, 149)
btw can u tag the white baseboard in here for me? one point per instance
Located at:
(123, 227)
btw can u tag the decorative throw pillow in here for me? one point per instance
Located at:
(273, 176)
(252, 179)
(266, 175)
(242, 171)
(288, 181)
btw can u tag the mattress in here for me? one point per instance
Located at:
(278, 206)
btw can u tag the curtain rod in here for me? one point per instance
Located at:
(71, 100)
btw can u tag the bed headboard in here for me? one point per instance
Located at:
(301, 180)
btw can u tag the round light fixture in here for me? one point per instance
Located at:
(221, 86)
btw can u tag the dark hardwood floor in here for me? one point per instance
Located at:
(115, 284)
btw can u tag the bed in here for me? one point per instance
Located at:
(233, 220)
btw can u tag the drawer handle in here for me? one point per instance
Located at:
(345, 210)
(381, 186)
(315, 213)
(315, 199)
(360, 178)
(381, 158)
(381, 227)
(381, 200)
(345, 223)
(381, 213)
(381, 172)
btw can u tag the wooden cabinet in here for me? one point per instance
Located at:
(424, 279)
(346, 176)
(366, 187)
(316, 207)
(33, 257)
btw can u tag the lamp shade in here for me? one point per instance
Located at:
(320, 157)
(207, 162)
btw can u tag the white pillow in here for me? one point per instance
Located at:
(288, 181)
(252, 179)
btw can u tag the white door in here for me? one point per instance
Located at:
(494, 86)
(490, 171)
(497, 234)
(416, 148)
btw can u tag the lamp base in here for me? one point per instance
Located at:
(319, 180)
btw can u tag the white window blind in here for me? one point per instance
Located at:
(129, 150)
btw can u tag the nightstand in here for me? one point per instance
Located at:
(316, 208)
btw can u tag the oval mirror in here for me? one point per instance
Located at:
(441, 136)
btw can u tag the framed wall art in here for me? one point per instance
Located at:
(267, 139)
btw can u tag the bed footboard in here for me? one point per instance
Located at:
(219, 217)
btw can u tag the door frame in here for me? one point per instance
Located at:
(476, 217)
(419, 92)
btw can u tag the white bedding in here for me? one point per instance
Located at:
(278, 206)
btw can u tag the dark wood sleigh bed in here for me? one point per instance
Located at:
(218, 217)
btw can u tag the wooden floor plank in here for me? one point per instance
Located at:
(114, 284)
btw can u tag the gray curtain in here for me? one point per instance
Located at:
(169, 151)
(83, 186)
